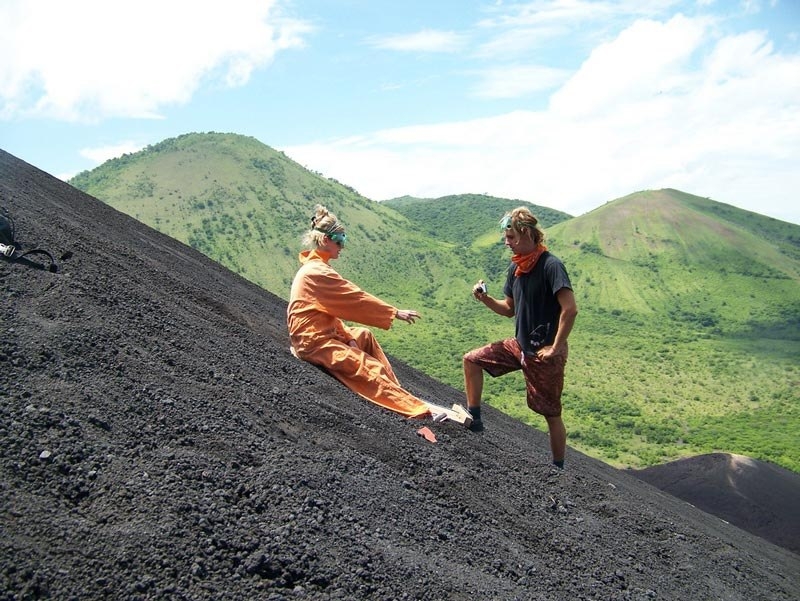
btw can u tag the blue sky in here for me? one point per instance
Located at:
(565, 103)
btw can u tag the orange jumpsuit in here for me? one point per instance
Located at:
(320, 299)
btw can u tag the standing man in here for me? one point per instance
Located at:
(538, 294)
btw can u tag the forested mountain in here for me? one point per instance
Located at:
(687, 340)
(464, 218)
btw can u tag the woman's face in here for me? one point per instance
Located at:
(332, 248)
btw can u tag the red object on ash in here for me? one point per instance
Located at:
(427, 434)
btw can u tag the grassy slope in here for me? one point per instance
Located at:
(688, 334)
(690, 309)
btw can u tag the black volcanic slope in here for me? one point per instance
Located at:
(757, 496)
(157, 440)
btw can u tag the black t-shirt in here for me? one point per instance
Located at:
(535, 304)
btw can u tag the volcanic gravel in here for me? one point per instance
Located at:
(159, 441)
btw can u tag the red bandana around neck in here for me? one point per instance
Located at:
(526, 263)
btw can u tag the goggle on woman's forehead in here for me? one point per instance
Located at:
(338, 238)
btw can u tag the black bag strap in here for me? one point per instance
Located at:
(23, 258)
(10, 252)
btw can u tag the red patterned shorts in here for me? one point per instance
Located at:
(544, 378)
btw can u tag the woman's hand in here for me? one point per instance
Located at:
(407, 315)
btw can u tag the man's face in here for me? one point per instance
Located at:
(519, 242)
(511, 238)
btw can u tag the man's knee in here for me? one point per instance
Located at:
(470, 367)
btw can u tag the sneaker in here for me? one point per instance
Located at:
(476, 425)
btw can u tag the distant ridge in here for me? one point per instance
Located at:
(757, 496)
(670, 226)
(461, 218)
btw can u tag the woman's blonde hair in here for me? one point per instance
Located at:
(323, 223)
(521, 219)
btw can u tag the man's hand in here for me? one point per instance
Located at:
(550, 351)
(479, 290)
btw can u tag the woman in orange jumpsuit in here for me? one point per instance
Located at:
(321, 299)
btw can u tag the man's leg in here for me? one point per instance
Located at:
(497, 359)
(558, 439)
(473, 387)
(473, 383)
(544, 380)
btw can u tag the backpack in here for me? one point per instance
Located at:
(10, 249)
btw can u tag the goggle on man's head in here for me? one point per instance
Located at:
(523, 223)
(508, 222)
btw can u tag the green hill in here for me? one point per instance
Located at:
(231, 197)
(687, 340)
(463, 219)
(670, 254)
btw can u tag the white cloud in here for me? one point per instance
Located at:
(659, 106)
(514, 81)
(101, 154)
(427, 40)
(557, 13)
(517, 42)
(646, 59)
(86, 60)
